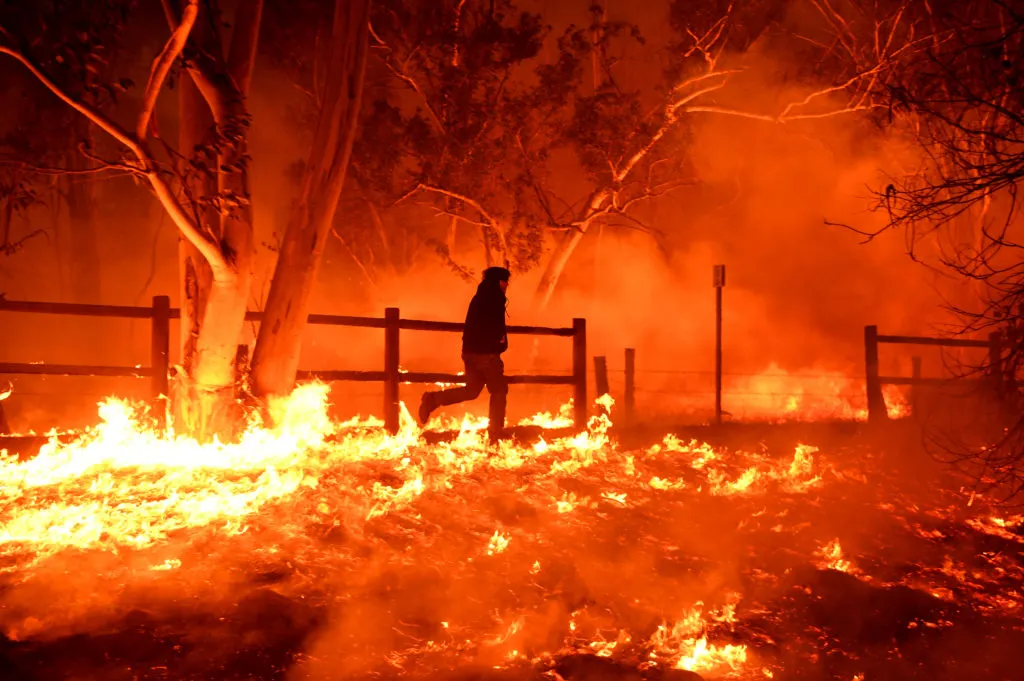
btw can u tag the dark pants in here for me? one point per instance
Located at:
(481, 370)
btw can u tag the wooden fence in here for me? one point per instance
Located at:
(629, 387)
(876, 402)
(161, 313)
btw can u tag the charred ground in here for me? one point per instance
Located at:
(752, 558)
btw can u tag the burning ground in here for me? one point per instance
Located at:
(320, 551)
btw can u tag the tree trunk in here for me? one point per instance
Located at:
(485, 237)
(495, 244)
(226, 243)
(214, 300)
(205, 399)
(556, 265)
(566, 247)
(276, 357)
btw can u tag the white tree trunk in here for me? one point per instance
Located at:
(556, 266)
(213, 301)
(215, 295)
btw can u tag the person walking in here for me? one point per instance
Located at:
(484, 339)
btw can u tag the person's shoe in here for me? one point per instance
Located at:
(426, 408)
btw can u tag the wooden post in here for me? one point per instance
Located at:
(629, 406)
(995, 362)
(915, 374)
(579, 372)
(160, 348)
(876, 401)
(391, 376)
(601, 378)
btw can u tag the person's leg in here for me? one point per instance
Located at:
(497, 386)
(470, 391)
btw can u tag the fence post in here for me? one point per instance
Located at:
(601, 376)
(160, 348)
(391, 377)
(995, 362)
(579, 372)
(915, 374)
(876, 401)
(629, 406)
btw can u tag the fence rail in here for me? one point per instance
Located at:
(926, 340)
(874, 381)
(161, 312)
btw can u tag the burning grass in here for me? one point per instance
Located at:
(318, 550)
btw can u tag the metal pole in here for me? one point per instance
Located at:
(718, 355)
(601, 376)
(601, 379)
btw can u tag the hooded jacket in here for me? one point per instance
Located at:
(484, 332)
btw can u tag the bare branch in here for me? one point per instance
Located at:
(400, 73)
(163, 63)
(355, 258)
(454, 195)
(242, 54)
(43, 170)
(731, 112)
(202, 70)
(210, 251)
(458, 22)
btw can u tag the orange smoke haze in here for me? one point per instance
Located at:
(798, 296)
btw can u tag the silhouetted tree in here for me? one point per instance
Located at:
(447, 130)
(960, 95)
(76, 42)
(630, 142)
(203, 185)
(521, 150)
(276, 356)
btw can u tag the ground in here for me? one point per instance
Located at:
(784, 552)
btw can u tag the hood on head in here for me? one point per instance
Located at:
(497, 274)
(491, 283)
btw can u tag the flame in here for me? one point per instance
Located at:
(685, 644)
(832, 558)
(498, 543)
(129, 492)
(777, 395)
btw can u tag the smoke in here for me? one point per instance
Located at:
(798, 294)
